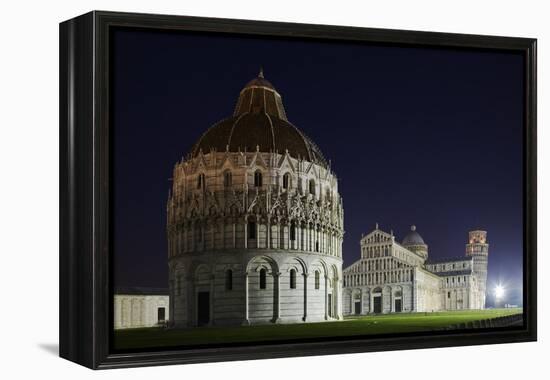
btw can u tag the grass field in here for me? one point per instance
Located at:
(364, 325)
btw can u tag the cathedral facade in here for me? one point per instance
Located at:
(391, 277)
(255, 222)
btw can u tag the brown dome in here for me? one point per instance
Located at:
(260, 81)
(259, 121)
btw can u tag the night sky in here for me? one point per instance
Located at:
(422, 136)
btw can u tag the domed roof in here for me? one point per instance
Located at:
(259, 122)
(413, 238)
(260, 81)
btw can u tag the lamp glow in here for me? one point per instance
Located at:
(499, 291)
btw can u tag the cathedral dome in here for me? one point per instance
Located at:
(259, 122)
(413, 238)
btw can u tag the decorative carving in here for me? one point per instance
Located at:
(217, 208)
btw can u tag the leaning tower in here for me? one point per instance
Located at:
(478, 248)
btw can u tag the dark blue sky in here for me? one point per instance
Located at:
(430, 137)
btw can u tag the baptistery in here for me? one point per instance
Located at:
(254, 222)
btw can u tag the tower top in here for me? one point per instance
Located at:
(477, 237)
(413, 228)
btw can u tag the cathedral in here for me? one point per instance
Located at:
(392, 277)
(254, 222)
(255, 225)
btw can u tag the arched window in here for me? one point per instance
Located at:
(292, 279)
(312, 186)
(316, 246)
(317, 280)
(292, 231)
(251, 230)
(227, 179)
(263, 275)
(229, 279)
(286, 180)
(258, 178)
(200, 181)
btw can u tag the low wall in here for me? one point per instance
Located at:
(506, 321)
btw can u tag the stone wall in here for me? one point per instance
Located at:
(362, 299)
(133, 311)
(427, 291)
(288, 224)
(312, 295)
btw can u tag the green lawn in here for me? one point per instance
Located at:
(365, 325)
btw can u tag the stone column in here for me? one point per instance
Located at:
(245, 233)
(318, 239)
(268, 234)
(336, 298)
(304, 238)
(413, 294)
(300, 237)
(371, 302)
(257, 232)
(326, 297)
(392, 302)
(246, 320)
(305, 296)
(288, 242)
(277, 303)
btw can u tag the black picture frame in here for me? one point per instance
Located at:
(86, 185)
